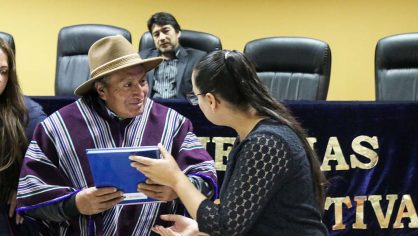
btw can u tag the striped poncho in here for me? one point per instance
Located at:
(56, 167)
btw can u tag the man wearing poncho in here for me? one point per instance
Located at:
(56, 185)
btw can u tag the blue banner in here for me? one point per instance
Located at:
(368, 151)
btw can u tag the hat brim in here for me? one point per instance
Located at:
(148, 64)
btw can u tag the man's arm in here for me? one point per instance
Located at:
(56, 212)
(88, 201)
(204, 187)
(195, 161)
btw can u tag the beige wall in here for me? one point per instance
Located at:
(351, 27)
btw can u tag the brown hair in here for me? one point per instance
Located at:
(13, 120)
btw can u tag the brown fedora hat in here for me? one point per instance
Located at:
(110, 54)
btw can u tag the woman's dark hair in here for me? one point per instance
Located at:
(13, 120)
(163, 18)
(231, 76)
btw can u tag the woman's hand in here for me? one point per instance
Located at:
(90, 201)
(183, 226)
(12, 208)
(166, 172)
(163, 171)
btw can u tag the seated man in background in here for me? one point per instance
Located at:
(172, 78)
(56, 184)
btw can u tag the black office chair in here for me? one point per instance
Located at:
(396, 68)
(9, 39)
(188, 38)
(292, 68)
(74, 42)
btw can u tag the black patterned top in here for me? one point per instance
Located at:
(267, 188)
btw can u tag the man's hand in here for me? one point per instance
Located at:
(156, 191)
(12, 208)
(94, 200)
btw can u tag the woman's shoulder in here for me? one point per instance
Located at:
(34, 108)
(30, 103)
(272, 130)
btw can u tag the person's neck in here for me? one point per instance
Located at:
(169, 55)
(244, 123)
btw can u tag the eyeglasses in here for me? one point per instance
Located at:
(192, 98)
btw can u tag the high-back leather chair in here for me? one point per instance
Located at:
(292, 68)
(74, 42)
(188, 38)
(9, 39)
(396, 67)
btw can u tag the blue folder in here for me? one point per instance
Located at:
(111, 167)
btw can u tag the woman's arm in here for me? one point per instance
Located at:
(166, 172)
(261, 166)
(259, 169)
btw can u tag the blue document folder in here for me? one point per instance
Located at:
(111, 167)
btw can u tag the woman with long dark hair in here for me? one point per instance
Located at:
(18, 118)
(273, 184)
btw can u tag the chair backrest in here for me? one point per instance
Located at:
(74, 42)
(292, 68)
(9, 39)
(396, 68)
(188, 38)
